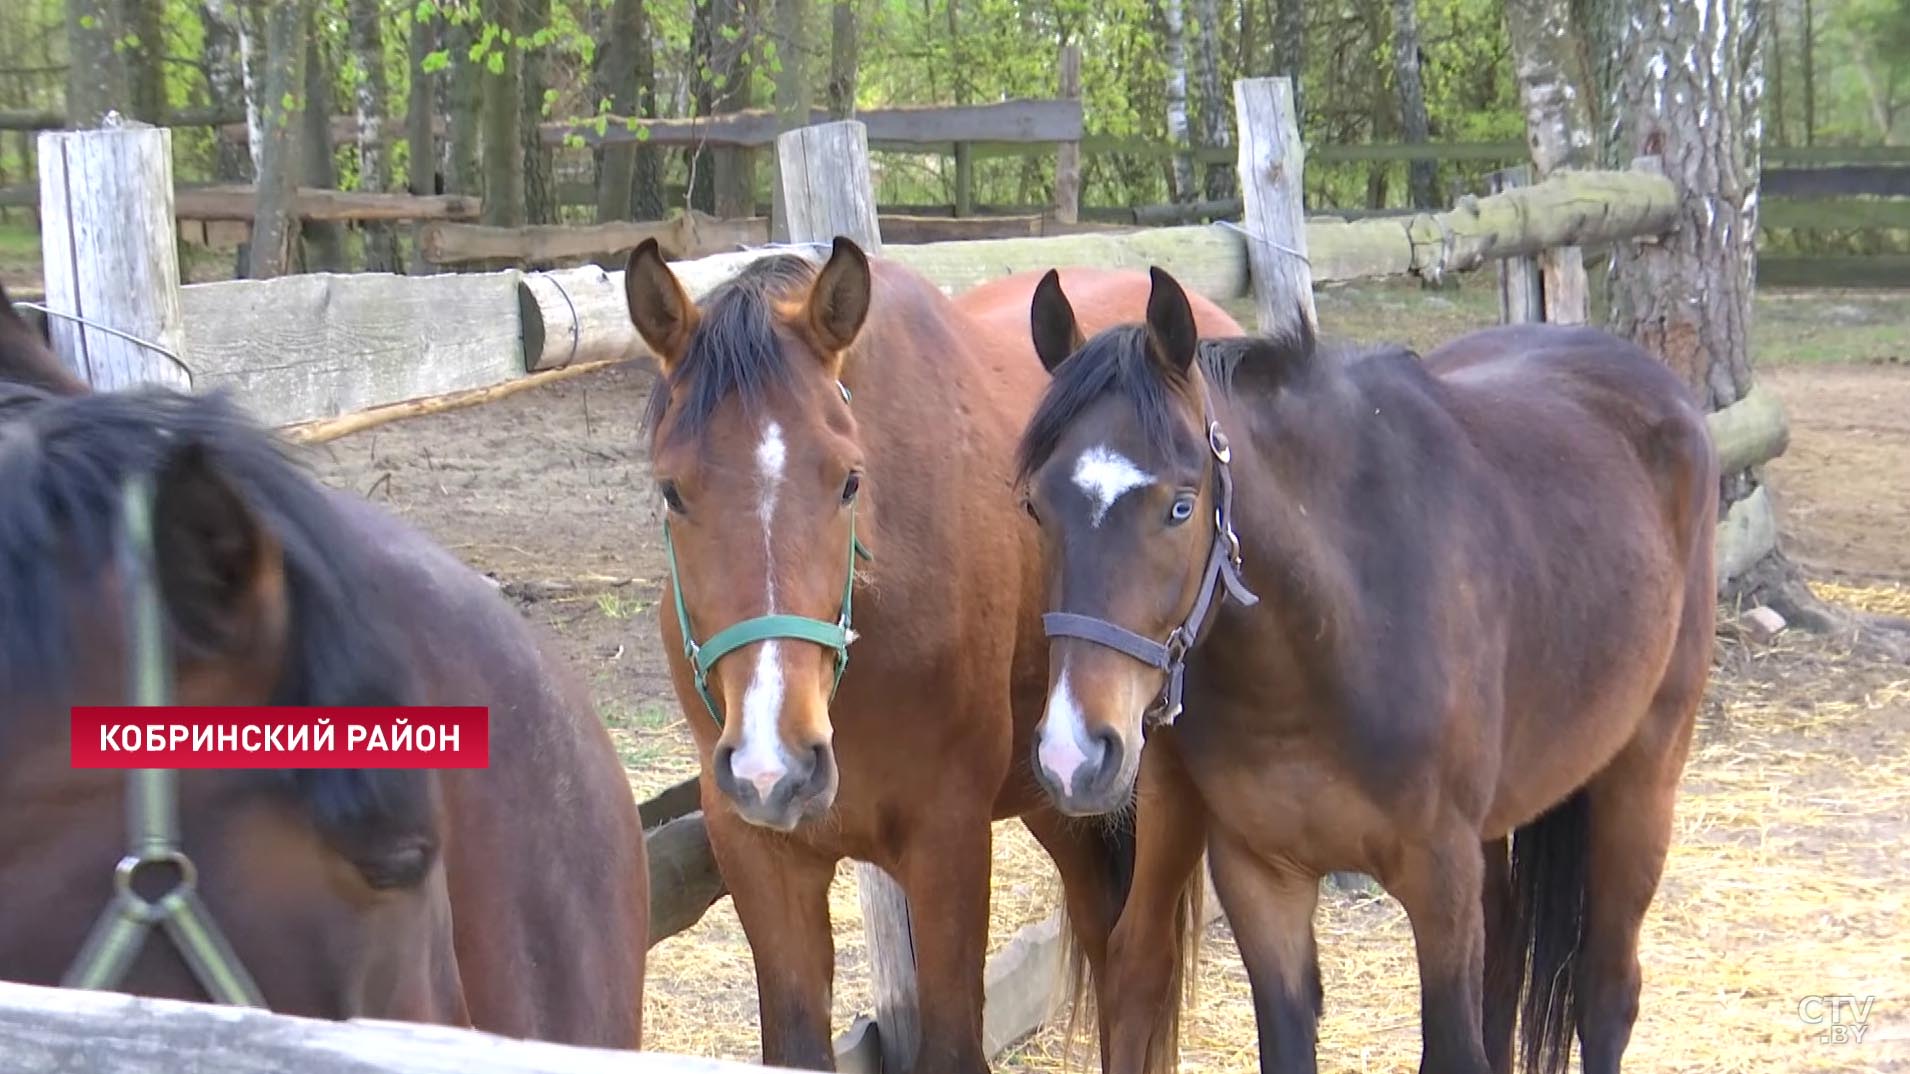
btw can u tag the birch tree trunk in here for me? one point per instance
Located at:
(368, 99)
(1214, 106)
(225, 85)
(279, 106)
(1552, 93)
(1177, 133)
(1421, 175)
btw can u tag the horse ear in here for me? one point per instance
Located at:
(1171, 334)
(839, 301)
(1051, 319)
(659, 307)
(221, 573)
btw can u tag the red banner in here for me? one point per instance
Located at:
(179, 736)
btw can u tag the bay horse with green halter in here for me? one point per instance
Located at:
(834, 446)
(514, 899)
(1446, 622)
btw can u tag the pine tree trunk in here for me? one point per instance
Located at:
(1422, 182)
(792, 95)
(369, 98)
(96, 79)
(540, 180)
(1289, 49)
(1175, 43)
(842, 59)
(646, 190)
(464, 104)
(145, 60)
(225, 85)
(503, 149)
(1215, 106)
(279, 106)
(706, 64)
(324, 239)
(616, 80)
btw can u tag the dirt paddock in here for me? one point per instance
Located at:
(1787, 880)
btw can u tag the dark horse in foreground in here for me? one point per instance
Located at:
(1476, 626)
(807, 414)
(514, 899)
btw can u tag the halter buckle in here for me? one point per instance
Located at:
(1217, 443)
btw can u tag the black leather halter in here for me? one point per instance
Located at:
(1223, 568)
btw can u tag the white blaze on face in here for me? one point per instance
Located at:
(1065, 745)
(1104, 476)
(759, 759)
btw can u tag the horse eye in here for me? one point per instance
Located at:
(1182, 510)
(851, 487)
(1029, 506)
(671, 496)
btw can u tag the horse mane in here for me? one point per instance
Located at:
(25, 358)
(735, 350)
(1118, 361)
(62, 462)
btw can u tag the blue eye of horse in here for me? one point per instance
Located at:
(1182, 510)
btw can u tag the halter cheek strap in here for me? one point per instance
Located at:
(1223, 569)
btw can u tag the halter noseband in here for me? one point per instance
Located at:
(834, 636)
(1223, 568)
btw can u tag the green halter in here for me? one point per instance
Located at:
(833, 636)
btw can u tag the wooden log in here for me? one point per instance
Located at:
(1067, 155)
(1751, 431)
(1272, 168)
(1521, 294)
(824, 171)
(300, 348)
(1834, 214)
(1843, 181)
(684, 879)
(914, 230)
(30, 120)
(687, 235)
(235, 202)
(1747, 534)
(110, 255)
(578, 315)
(1019, 122)
(1191, 212)
(1211, 260)
(318, 432)
(69, 1029)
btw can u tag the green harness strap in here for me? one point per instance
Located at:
(152, 812)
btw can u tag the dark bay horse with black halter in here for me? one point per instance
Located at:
(514, 899)
(1460, 648)
(806, 416)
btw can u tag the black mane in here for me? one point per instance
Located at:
(1117, 360)
(62, 462)
(735, 350)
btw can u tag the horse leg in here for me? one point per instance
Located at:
(1440, 884)
(1148, 957)
(1093, 883)
(1504, 957)
(781, 893)
(945, 872)
(1270, 906)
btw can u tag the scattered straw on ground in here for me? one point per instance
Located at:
(1787, 880)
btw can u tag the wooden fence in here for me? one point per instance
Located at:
(325, 354)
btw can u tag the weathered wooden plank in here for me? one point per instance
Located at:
(235, 202)
(299, 348)
(924, 229)
(1272, 167)
(1019, 121)
(36, 120)
(1747, 535)
(686, 235)
(1833, 270)
(110, 255)
(1827, 214)
(1751, 431)
(62, 1029)
(1521, 297)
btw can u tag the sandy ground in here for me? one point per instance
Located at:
(1786, 881)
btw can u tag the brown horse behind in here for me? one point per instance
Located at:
(514, 899)
(805, 412)
(1484, 624)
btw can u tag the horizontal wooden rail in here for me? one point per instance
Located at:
(1012, 122)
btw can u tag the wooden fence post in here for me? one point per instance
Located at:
(109, 243)
(1521, 295)
(827, 192)
(1067, 156)
(1272, 167)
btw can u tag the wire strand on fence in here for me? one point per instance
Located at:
(191, 383)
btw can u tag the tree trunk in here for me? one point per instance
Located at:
(540, 180)
(734, 169)
(1422, 176)
(703, 76)
(842, 59)
(421, 143)
(1810, 75)
(225, 85)
(1552, 91)
(792, 94)
(324, 239)
(616, 78)
(144, 55)
(464, 104)
(1175, 41)
(96, 80)
(273, 224)
(1215, 106)
(1289, 50)
(1775, 61)
(369, 98)
(503, 150)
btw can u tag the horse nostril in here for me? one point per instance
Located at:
(1103, 763)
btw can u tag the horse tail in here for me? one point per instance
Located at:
(1119, 854)
(1542, 947)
